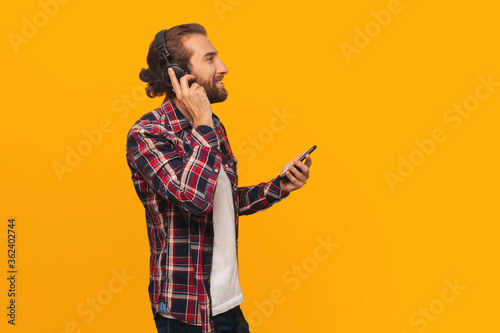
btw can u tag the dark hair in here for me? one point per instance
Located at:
(174, 38)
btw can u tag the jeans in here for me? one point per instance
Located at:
(231, 321)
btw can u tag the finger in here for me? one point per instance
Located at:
(185, 80)
(287, 167)
(308, 160)
(291, 177)
(302, 167)
(296, 172)
(298, 157)
(201, 88)
(297, 179)
(175, 84)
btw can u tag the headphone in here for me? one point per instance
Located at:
(180, 68)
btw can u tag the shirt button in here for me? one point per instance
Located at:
(216, 170)
(235, 189)
(225, 165)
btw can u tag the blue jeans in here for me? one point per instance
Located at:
(231, 321)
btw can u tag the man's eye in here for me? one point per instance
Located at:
(209, 59)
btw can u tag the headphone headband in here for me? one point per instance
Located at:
(161, 46)
(178, 67)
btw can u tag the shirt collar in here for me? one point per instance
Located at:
(177, 119)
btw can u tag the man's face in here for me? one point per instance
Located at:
(207, 67)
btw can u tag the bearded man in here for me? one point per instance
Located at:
(185, 175)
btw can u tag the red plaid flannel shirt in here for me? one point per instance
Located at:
(174, 172)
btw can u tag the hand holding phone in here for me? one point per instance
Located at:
(302, 158)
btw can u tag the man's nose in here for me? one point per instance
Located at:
(222, 69)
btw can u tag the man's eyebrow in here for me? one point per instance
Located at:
(210, 54)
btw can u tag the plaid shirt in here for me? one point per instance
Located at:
(174, 171)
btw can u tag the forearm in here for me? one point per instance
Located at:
(256, 198)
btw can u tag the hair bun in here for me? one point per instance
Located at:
(146, 76)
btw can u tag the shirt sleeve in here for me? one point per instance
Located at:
(253, 199)
(187, 182)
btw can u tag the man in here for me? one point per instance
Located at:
(185, 174)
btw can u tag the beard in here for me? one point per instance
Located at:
(215, 94)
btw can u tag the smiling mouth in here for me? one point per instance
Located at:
(220, 81)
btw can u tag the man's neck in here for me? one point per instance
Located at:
(188, 116)
(184, 112)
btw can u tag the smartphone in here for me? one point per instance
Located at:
(303, 157)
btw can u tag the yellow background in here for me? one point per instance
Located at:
(397, 248)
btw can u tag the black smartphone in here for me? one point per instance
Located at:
(303, 157)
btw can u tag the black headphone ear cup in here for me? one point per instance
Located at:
(180, 69)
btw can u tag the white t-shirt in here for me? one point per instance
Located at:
(225, 288)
